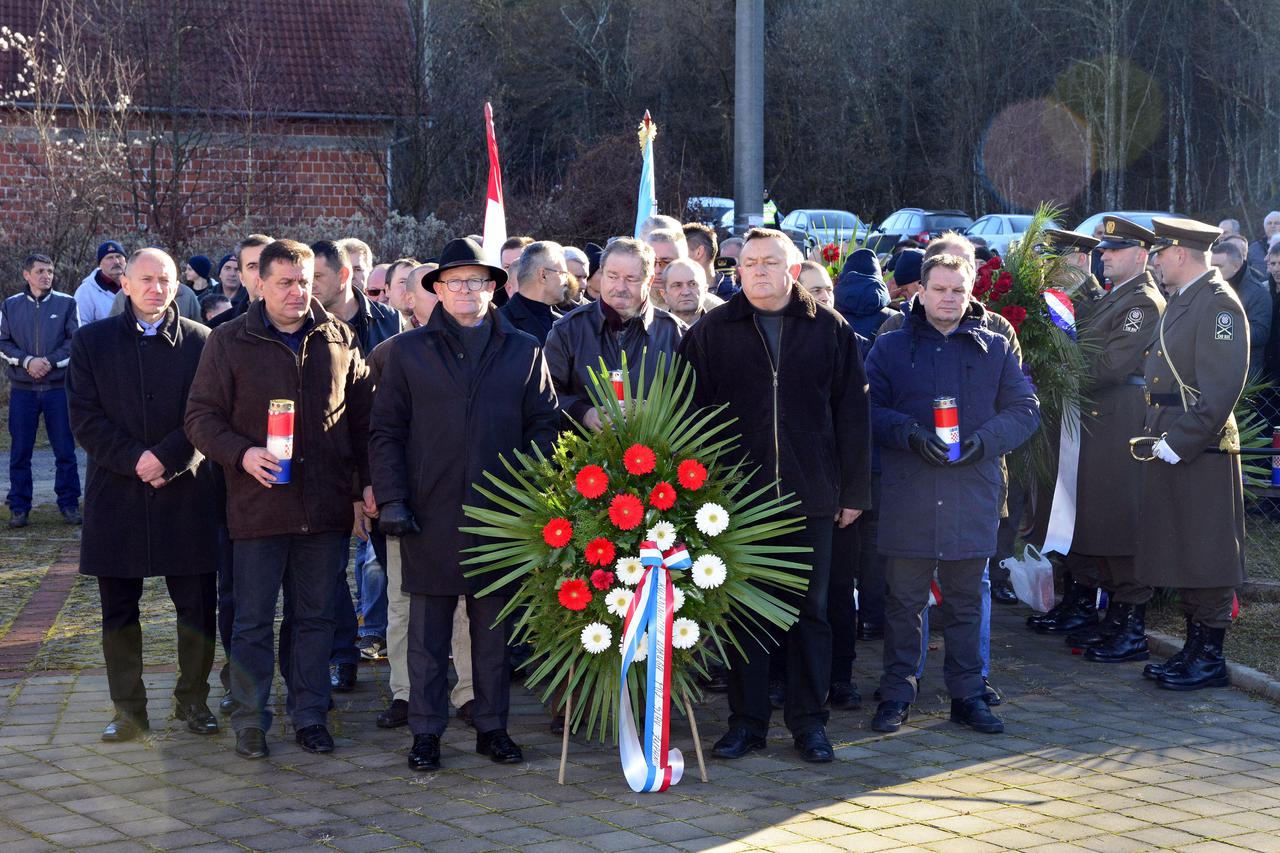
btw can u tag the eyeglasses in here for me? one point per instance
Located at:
(373, 291)
(456, 285)
(561, 273)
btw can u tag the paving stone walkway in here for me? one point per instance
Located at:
(1094, 759)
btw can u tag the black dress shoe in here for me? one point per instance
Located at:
(19, 519)
(396, 715)
(989, 694)
(844, 696)
(227, 705)
(1002, 593)
(813, 746)
(251, 743)
(464, 713)
(499, 746)
(890, 716)
(976, 714)
(425, 754)
(736, 743)
(71, 515)
(778, 694)
(124, 728)
(342, 677)
(314, 739)
(199, 719)
(870, 631)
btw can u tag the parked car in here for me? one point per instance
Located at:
(809, 227)
(708, 209)
(1001, 230)
(1138, 217)
(915, 223)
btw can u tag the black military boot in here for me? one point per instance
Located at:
(1179, 660)
(1068, 585)
(1078, 608)
(1205, 665)
(1100, 632)
(1129, 642)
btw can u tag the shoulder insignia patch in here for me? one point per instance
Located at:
(1133, 320)
(1224, 327)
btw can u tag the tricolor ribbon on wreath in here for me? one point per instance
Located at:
(1062, 511)
(651, 765)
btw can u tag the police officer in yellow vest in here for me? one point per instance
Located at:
(1191, 519)
(771, 217)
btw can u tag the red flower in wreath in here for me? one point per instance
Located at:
(601, 579)
(639, 459)
(1015, 314)
(983, 283)
(592, 481)
(626, 512)
(691, 474)
(1002, 284)
(831, 253)
(600, 552)
(558, 532)
(574, 595)
(994, 262)
(663, 496)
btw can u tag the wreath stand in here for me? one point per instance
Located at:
(568, 720)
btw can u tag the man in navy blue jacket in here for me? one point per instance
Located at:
(937, 513)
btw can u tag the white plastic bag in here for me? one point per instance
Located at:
(1032, 578)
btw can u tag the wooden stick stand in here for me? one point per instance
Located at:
(568, 720)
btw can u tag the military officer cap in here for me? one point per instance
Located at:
(1187, 233)
(1122, 234)
(1061, 242)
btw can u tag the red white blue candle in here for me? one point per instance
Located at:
(946, 423)
(280, 435)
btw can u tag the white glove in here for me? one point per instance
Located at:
(1162, 450)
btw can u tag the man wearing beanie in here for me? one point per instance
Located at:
(861, 295)
(98, 290)
(906, 274)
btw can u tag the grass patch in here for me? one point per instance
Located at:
(75, 640)
(1254, 639)
(25, 556)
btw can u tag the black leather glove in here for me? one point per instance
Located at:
(970, 452)
(927, 445)
(395, 519)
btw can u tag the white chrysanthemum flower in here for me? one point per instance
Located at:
(662, 534)
(709, 571)
(596, 637)
(618, 600)
(712, 519)
(677, 598)
(685, 633)
(642, 647)
(629, 570)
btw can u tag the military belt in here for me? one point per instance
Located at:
(1163, 399)
(1135, 379)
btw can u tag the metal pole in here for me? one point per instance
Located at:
(748, 115)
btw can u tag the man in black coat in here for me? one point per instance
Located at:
(790, 373)
(150, 507)
(452, 397)
(544, 282)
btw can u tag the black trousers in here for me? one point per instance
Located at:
(961, 584)
(842, 613)
(807, 647)
(430, 634)
(870, 565)
(226, 602)
(194, 599)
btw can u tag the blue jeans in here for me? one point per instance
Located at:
(371, 585)
(25, 408)
(305, 566)
(984, 634)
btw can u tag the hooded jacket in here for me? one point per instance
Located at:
(861, 295)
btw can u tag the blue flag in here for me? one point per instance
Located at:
(647, 199)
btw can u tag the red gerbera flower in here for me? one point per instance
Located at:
(599, 552)
(601, 579)
(574, 594)
(558, 532)
(639, 459)
(691, 474)
(663, 496)
(626, 512)
(592, 481)
(831, 253)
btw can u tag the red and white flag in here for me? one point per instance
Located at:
(495, 215)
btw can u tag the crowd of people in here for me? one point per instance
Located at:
(405, 381)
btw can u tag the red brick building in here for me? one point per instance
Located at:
(271, 110)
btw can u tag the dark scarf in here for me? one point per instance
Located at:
(106, 283)
(613, 320)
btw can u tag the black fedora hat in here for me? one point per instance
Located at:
(464, 252)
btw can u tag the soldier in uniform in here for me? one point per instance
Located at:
(1115, 338)
(1078, 607)
(1191, 518)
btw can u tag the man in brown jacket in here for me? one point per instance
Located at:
(292, 529)
(1114, 338)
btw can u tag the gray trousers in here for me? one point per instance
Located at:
(430, 633)
(908, 593)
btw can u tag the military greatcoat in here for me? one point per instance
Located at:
(1120, 329)
(1191, 531)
